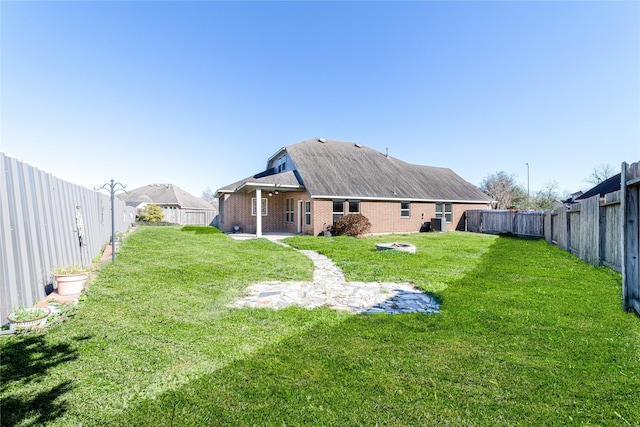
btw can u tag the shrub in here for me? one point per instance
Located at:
(353, 225)
(151, 213)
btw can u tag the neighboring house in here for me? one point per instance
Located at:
(607, 186)
(177, 205)
(307, 186)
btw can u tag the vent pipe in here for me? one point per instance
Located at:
(387, 152)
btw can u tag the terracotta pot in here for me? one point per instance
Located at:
(71, 284)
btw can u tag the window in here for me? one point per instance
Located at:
(264, 207)
(307, 213)
(338, 209)
(282, 163)
(444, 209)
(289, 210)
(405, 209)
(354, 206)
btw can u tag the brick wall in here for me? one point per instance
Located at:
(384, 215)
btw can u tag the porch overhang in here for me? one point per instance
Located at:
(250, 187)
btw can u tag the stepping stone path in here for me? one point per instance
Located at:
(330, 289)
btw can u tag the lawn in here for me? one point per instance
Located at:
(528, 335)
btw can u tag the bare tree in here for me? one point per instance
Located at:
(548, 197)
(502, 188)
(601, 173)
(208, 196)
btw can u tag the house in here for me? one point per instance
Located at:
(607, 186)
(308, 185)
(177, 205)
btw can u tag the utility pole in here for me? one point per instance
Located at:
(528, 194)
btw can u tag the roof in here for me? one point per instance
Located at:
(266, 179)
(165, 194)
(607, 186)
(336, 169)
(343, 169)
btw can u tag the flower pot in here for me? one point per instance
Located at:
(70, 284)
(31, 322)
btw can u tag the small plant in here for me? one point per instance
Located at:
(353, 225)
(28, 313)
(65, 270)
(151, 213)
(61, 312)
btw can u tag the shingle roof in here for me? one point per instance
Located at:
(165, 194)
(342, 169)
(264, 179)
(607, 186)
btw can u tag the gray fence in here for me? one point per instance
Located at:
(46, 222)
(191, 216)
(591, 229)
(528, 223)
(600, 230)
(630, 200)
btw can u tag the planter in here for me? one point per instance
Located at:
(18, 321)
(70, 284)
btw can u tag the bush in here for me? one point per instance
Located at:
(353, 225)
(151, 213)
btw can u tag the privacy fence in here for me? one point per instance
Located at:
(602, 231)
(630, 188)
(191, 216)
(46, 222)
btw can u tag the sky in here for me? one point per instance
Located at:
(200, 94)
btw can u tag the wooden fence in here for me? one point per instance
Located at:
(190, 216)
(602, 231)
(590, 229)
(46, 222)
(529, 223)
(630, 199)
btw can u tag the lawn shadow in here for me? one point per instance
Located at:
(477, 362)
(27, 360)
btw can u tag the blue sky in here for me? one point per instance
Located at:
(200, 94)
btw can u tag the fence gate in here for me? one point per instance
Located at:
(630, 187)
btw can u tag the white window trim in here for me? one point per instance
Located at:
(265, 210)
(307, 213)
(349, 207)
(443, 213)
(289, 209)
(408, 210)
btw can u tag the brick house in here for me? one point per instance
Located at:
(308, 185)
(177, 205)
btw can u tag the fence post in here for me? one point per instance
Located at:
(630, 248)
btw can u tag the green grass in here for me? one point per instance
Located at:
(528, 335)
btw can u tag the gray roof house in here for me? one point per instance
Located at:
(308, 185)
(178, 206)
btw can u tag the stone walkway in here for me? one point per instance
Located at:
(330, 289)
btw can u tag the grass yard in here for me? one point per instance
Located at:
(528, 335)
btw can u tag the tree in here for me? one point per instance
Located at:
(547, 197)
(502, 188)
(151, 213)
(601, 173)
(209, 196)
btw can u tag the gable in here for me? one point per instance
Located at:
(164, 194)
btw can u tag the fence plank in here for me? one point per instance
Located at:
(630, 246)
(589, 230)
(611, 232)
(562, 229)
(38, 229)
